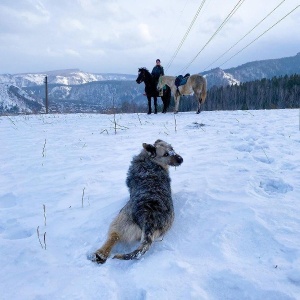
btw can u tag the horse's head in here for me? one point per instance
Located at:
(143, 74)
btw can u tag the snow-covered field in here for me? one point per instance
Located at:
(236, 233)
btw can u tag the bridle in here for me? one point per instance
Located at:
(141, 77)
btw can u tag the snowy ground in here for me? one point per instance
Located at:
(236, 233)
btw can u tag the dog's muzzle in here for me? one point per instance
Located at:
(177, 160)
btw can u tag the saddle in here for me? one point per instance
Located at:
(181, 80)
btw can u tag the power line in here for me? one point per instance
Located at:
(259, 36)
(174, 28)
(185, 35)
(245, 35)
(236, 7)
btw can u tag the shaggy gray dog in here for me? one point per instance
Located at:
(149, 213)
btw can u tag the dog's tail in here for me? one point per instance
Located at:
(142, 249)
(136, 254)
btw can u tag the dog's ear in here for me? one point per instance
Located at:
(150, 149)
(158, 141)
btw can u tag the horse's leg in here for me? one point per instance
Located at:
(155, 104)
(149, 105)
(166, 99)
(199, 108)
(176, 98)
(201, 96)
(199, 104)
(163, 101)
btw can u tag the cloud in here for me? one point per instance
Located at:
(145, 32)
(128, 34)
(72, 52)
(71, 25)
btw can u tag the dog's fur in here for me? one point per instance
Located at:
(149, 212)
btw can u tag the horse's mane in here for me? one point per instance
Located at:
(144, 69)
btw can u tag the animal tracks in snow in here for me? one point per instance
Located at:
(228, 285)
(271, 186)
(11, 229)
(267, 173)
(8, 200)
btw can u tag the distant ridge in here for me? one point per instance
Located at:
(74, 90)
(65, 77)
(254, 70)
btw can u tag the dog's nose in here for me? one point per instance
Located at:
(179, 159)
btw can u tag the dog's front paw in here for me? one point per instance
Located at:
(99, 257)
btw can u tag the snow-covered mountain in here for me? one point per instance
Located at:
(25, 93)
(98, 96)
(65, 77)
(15, 100)
(246, 72)
(74, 90)
(253, 71)
(219, 77)
(266, 68)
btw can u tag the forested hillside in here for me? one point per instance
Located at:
(278, 92)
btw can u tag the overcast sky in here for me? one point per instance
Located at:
(114, 36)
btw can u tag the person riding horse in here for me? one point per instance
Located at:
(151, 90)
(157, 71)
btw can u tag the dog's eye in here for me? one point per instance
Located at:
(166, 154)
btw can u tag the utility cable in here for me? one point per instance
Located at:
(185, 35)
(259, 36)
(237, 6)
(245, 35)
(174, 28)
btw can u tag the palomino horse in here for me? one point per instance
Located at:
(195, 84)
(151, 91)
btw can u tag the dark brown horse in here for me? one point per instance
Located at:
(151, 90)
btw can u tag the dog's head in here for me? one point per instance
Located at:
(163, 154)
